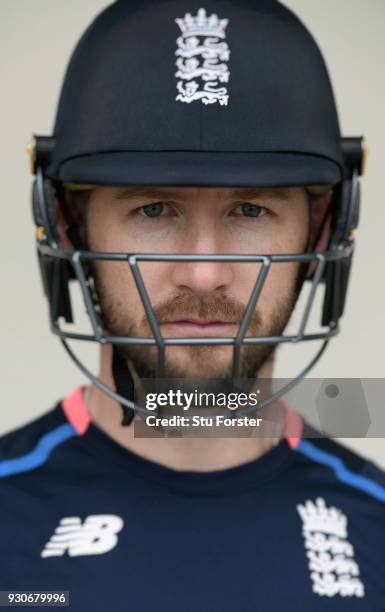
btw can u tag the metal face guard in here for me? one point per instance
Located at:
(77, 260)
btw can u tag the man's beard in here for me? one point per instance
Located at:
(196, 361)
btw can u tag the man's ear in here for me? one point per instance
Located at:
(70, 215)
(320, 219)
(62, 226)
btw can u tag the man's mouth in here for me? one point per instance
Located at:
(199, 327)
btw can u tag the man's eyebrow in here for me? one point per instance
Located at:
(134, 192)
(262, 192)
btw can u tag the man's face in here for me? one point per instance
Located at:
(197, 299)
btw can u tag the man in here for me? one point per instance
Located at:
(196, 181)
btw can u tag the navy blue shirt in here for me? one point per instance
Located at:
(301, 528)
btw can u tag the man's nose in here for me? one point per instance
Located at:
(203, 277)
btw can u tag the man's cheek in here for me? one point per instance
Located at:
(116, 278)
(280, 279)
(279, 289)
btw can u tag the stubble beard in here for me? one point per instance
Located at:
(195, 361)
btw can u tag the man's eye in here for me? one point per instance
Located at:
(155, 209)
(250, 210)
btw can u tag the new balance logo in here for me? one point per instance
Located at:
(95, 536)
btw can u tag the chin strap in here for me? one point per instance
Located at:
(124, 384)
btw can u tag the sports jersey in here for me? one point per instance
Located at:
(300, 528)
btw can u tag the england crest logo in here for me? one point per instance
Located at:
(333, 568)
(202, 53)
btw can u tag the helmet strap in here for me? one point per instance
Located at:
(124, 383)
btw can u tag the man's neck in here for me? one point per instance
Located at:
(190, 454)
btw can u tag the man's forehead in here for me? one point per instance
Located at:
(219, 193)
